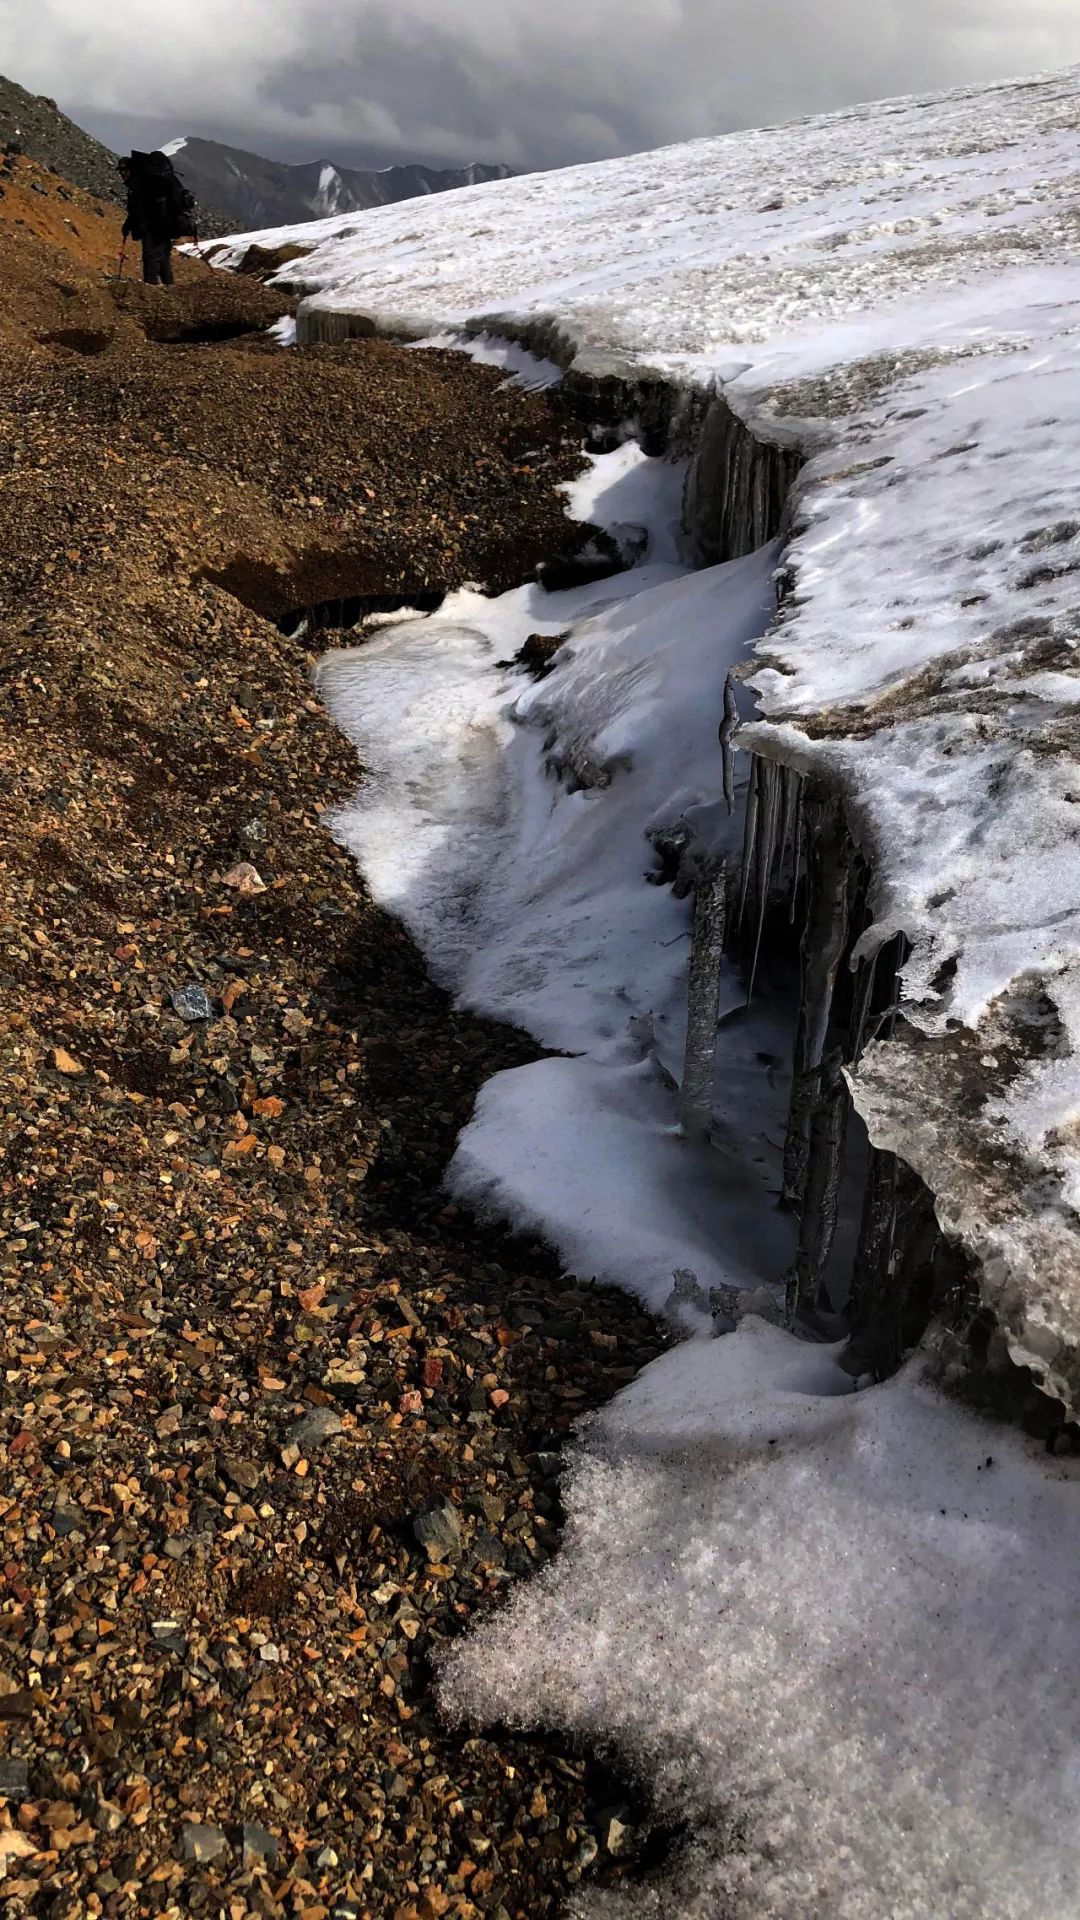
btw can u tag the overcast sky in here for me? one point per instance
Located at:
(535, 83)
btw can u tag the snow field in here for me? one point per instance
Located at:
(896, 288)
(835, 1631)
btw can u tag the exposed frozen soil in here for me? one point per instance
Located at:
(228, 1090)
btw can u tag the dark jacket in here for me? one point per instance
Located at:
(155, 209)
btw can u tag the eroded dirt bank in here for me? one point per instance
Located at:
(246, 1345)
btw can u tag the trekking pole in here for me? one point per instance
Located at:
(123, 252)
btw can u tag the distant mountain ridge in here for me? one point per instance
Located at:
(266, 193)
(234, 189)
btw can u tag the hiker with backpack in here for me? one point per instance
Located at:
(160, 211)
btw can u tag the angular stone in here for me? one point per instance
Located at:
(438, 1529)
(242, 1473)
(67, 1520)
(109, 1818)
(244, 878)
(169, 1634)
(259, 1847)
(320, 1425)
(14, 1779)
(192, 1003)
(345, 1372)
(202, 1844)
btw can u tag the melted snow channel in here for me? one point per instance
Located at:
(529, 893)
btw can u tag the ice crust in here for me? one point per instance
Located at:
(835, 1630)
(896, 289)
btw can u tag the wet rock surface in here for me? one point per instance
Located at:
(246, 1341)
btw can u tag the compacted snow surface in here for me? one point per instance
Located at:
(835, 1629)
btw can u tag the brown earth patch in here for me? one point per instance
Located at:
(260, 263)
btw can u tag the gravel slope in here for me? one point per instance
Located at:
(277, 1420)
(46, 134)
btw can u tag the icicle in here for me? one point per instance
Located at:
(825, 937)
(898, 1275)
(884, 1022)
(898, 1280)
(894, 1008)
(703, 1002)
(791, 1296)
(749, 834)
(728, 728)
(874, 1255)
(864, 994)
(827, 926)
(769, 815)
(821, 1195)
(797, 858)
(789, 781)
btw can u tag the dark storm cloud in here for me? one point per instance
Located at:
(532, 82)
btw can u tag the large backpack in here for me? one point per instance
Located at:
(184, 211)
(178, 205)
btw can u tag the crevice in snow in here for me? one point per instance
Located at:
(867, 1241)
(937, 765)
